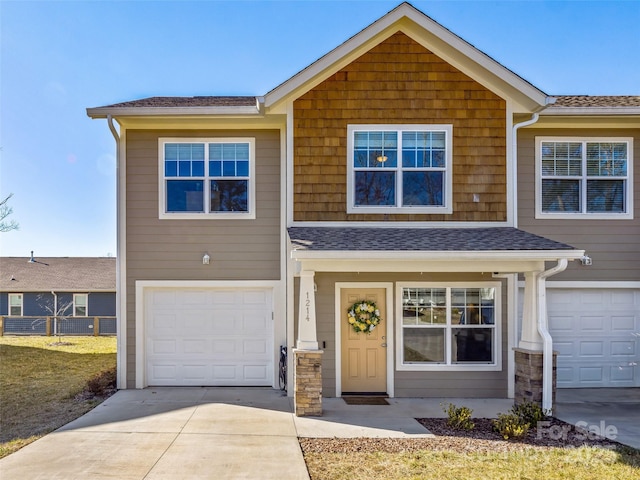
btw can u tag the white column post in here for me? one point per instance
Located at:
(530, 338)
(307, 332)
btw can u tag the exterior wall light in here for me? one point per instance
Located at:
(205, 259)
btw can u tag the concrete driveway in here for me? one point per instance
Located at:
(611, 412)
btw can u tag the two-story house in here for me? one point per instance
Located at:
(393, 212)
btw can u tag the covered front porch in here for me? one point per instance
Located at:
(423, 356)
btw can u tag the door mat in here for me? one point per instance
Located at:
(365, 401)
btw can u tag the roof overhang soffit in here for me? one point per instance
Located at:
(433, 36)
(443, 261)
(195, 121)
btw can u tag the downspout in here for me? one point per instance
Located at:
(514, 156)
(547, 341)
(121, 342)
(514, 215)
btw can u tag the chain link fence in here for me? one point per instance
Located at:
(50, 326)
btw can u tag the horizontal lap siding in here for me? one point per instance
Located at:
(614, 245)
(399, 82)
(173, 249)
(407, 384)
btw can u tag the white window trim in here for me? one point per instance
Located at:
(251, 190)
(21, 296)
(450, 367)
(86, 304)
(447, 208)
(628, 215)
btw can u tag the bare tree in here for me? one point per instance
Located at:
(59, 310)
(5, 211)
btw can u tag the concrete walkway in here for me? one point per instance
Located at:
(251, 433)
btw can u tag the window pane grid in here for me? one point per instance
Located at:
(448, 326)
(379, 181)
(217, 171)
(584, 177)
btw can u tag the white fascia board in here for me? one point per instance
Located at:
(459, 261)
(204, 122)
(428, 33)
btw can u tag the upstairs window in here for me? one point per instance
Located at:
(15, 304)
(212, 178)
(582, 177)
(399, 169)
(80, 304)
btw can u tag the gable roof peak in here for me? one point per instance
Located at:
(430, 34)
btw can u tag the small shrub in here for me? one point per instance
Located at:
(459, 417)
(529, 412)
(510, 425)
(102, 384)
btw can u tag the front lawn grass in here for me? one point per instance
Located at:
(530, 463)
(40, 378)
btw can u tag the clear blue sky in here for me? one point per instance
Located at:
(58, 58)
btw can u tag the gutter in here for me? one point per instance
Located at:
(514, 156)
(543, 330)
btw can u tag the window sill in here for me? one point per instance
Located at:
(448, 368)
(208, 216)
(583, 216)
(399, 210)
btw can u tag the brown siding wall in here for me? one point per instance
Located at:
(173, 249)
(614, 245)
(399, 82)
(408, 383)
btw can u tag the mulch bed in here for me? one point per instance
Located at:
(481, 439)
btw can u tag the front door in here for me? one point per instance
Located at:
(364, 355)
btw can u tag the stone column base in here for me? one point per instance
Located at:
(529, 376)
(307, 379)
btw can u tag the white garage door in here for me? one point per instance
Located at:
(209, 337)
(596, 333)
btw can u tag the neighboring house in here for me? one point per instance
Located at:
(76, 290)
(404, 168)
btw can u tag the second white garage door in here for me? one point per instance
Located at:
(596, 332)
(209, 337)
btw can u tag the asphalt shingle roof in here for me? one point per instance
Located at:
(562, 101)
(205, 101)
(79, 274)
(589, 101)
(419, 239)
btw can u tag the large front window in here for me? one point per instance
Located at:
(207, 177)
(584, 177)
(399, 169)
(449, 326)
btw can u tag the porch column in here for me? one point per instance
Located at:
(530, 338)
(307, 368)
(529, 357)
(307, 335)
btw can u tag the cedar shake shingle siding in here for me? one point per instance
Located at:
(399, 82)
